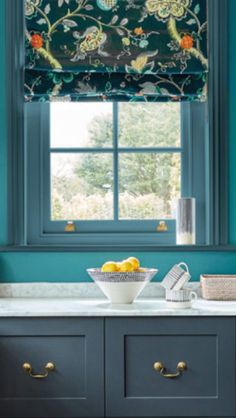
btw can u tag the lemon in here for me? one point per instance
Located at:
(126, 266)
(135, 262)
(118, 264)
(141, 270)
(109, 267)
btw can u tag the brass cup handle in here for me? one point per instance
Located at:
(49, 367)
(159, 367)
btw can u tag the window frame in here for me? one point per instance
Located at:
(216, 216)
(112, 226)
(42, 230)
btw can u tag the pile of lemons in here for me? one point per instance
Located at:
(131, 264)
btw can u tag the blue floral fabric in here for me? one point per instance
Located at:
(125, 50)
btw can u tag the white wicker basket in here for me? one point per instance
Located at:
(218, 287)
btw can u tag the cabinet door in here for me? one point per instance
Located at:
(134, 388)
(74, 389)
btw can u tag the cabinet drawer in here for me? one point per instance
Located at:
(205, 388)
(73, 389)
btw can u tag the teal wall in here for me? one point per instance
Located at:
(25, 267)
(3, 142)
(232, 119)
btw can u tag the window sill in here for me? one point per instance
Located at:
(117, 248)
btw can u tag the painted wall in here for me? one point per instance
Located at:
(232, 118)
(25, 267)
(3, 141)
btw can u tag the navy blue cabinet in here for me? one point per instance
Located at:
(74, 389)
(154, 367)
(142, 376)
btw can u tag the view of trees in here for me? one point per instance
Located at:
(149, 182)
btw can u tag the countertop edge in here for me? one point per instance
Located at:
(33, 307)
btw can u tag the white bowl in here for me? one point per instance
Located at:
(121, 287)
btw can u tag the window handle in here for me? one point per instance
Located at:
(70, 227)
(162, 227)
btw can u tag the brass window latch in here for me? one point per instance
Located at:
(162, 227)
(70, 227)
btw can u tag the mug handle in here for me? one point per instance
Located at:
(193, 295)
(185, 265)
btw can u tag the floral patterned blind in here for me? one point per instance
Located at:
(124, 50)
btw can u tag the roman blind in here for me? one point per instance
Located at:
(122, 50)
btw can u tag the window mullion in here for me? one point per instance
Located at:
(150, 150)
(116, 162)
(81, 150)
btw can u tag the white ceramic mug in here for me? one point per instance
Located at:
(177, 277)
(180, 299)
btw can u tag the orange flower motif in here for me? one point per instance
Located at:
(186, 42)
(138, 31)
(36, 41)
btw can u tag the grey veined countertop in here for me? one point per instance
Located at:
(86, 300)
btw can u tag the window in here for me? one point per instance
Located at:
(114, 162)
(115, 170)
(45, 173)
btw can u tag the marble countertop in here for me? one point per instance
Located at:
(87, 300)
(74, 307)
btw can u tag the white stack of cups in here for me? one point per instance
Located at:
(177, 296)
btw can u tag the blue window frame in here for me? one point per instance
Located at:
(204, 160)
(42, 229)
(115, 151)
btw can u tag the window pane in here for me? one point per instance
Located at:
(81, 186)
(149, 125)
(76, 125)
(149, 185)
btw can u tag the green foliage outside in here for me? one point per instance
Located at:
(149, 183)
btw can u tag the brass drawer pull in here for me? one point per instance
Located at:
(49, 367)
(159, 367)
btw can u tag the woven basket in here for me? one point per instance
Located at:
(218, 287)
